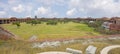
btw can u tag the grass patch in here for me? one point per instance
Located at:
(43, 31)
(114, 51)
(20, 47)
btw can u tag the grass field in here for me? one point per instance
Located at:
(22, 47)
(19, 47)
(43, 31)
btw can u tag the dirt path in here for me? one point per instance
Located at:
(84, 37)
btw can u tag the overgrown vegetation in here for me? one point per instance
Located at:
(22, 47)
(97, 25)
(114, 51)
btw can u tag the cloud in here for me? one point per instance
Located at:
(74, 3)
(45, 12)
(96, 8)
(52, 2)
(13, 1)
(42, 10)
(2, 13)
(64, 8)
(71, 12)
(18, 8)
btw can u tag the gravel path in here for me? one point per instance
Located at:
(107, 49)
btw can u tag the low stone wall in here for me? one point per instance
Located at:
(5, 35)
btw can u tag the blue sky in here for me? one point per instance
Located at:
(59, 8)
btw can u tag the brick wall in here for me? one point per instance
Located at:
(115, 27)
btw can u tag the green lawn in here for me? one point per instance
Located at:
(43, 31)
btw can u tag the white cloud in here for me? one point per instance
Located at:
(42, 10)
(52, 2)
(2, 13)
(96, 8)
(45, 12)
(92, 8)
(46, 2)
(74, 3)
(18, 9)
(71, 12)
(12, 1)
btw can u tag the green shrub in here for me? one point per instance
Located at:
(50, 22)
(17, 24)
(34, 22)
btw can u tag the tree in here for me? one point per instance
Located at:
(34, 22)
(17, 24)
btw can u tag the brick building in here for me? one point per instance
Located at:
(115, 23)
(13, 19)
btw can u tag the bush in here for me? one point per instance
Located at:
(39, 22)
(97, 27)
(50, 22)
(28, 22)
(33, 22)
(17, 24)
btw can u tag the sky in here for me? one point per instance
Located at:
(59, 8)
